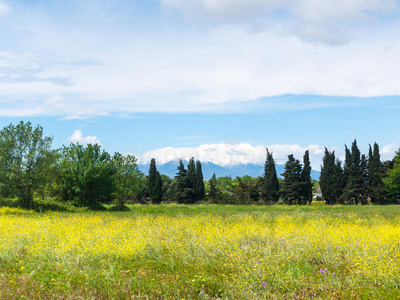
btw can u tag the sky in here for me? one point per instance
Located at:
(216, 79)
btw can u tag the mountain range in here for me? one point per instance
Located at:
(241, 169)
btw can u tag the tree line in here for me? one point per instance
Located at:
(89, 176)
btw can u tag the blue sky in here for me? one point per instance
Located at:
(141, 76)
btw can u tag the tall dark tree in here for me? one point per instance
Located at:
(292, 184)
(347, 163)
(376, 173)
(332, 179)
(354, 187)
(270, 185)
(183, 191)
(151, 178)
(363, 180)
(156, 191)
(306, 179)
(191, 178)
(199, 182)
(212, 194)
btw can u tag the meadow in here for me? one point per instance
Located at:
(202, 252)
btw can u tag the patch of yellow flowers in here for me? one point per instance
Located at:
(251, 249)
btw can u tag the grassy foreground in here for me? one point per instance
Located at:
(202, 252)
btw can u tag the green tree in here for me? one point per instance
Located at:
(156, 192)
(168, 187)
(88, 174)
(183, 191)
(246, 190)
(212, 194)
(151, 178)
(292, 184)
(154, 183)
(270, 186)
(354, 187)
(127, 179)
(332, 178)
(376, 173)
(199, 186)
(24, 158)
(392, 179)
(306, 179)
(191, 181)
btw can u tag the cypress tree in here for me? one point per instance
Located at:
(212, 194)
(306, 179)
(191, 181)
(156, 191)
(371, 169)
(292, 184)
(376, 174)
(182, 191)
(347, 163)
(199, 186)
(152, 175)
(332, 178)
(363, 180)
(270, 186)
(353, 174)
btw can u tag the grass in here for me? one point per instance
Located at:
(202, 252)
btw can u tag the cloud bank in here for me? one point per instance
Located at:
(156, 62)
(326, 21)
(229, 153)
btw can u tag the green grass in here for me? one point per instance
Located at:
(202, 252)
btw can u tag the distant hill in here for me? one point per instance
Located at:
(254, 170)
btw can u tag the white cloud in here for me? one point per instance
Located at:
(219, 69)
(77, 137)
(228, 153)
(388, 151)
(328, 21)
(4, 8)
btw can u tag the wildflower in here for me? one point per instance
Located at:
(263, 284)
(321, 271)
(201, 293)
(334, 274)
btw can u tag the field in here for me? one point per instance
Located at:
(202, 252)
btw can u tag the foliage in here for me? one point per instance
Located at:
(354, 191)
(376, 173)
(151, 178)
(292, 186)
(392, 179)
(306, 179)
(199, 184)
(88, 173)
(127, 179)
(270, 186)
(212, 193)
(154, 183)
(183, 191)
(332, 178)
(24, 159)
